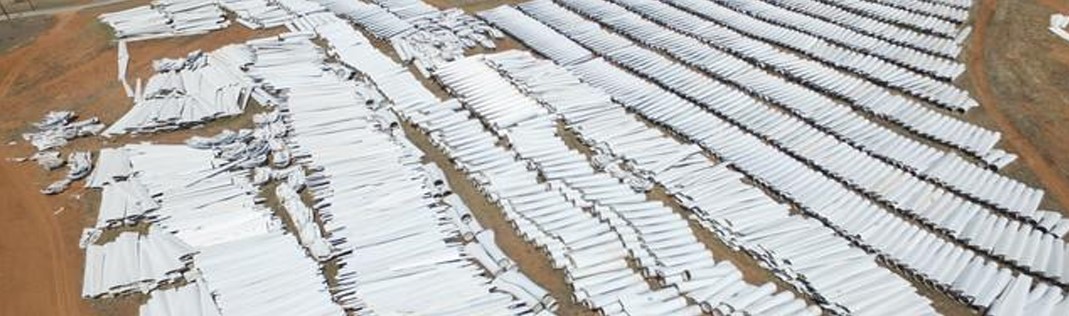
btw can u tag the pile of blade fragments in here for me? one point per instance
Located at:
(189, 91)
(257, 14)
(52, 133)
(1059, 25)
(441, 36)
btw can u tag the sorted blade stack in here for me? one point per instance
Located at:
(721, 203)
(265, 275)
(618, 288)
(139, 23)
(257, 14)
(401, 87)
(125, 203)
(189, 91)
(200, 199)
(244, 258)
(597, 222)
(365, 171)
(420, 33)
(998, 158)
(112, 166)
(134, 263)
(921, 193)
(260, 14)
(375, 19)
(190, 300)
(971, 274)
(166, 18)
(407, 9)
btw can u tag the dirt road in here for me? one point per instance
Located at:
(62, 9)
(1011, 74)
(40, 263)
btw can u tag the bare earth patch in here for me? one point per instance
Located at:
(1019, 72)
(18, 32)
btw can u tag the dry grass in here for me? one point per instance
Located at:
(19, 32)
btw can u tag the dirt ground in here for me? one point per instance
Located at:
(1017, 70)
(18, 32)
(17, 6)
(69, 66)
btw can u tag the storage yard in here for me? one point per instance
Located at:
(535, 157)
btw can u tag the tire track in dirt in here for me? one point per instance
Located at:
(35, 268)
(77, 6)
(30, 248)
(5, 85)
(28, 51)
(65, 292)
(1055, 185)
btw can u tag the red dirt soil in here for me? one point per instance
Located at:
(1014, 81)
(40, 265)
(71, 66)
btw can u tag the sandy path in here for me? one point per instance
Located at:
(19, 57)
(62, 9)
(1055, 185)
(39, 265)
